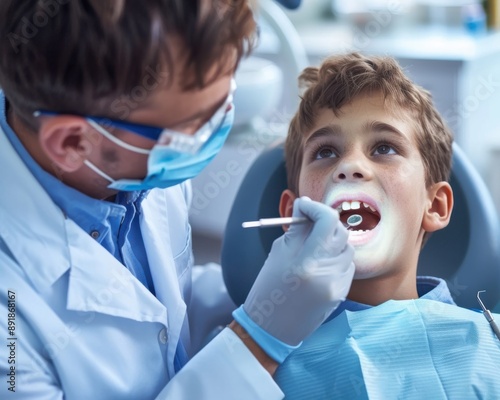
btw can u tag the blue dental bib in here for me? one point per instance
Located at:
(410, 349)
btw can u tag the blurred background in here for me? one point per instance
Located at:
(450, 47)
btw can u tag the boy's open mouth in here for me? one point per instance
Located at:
(370, 216)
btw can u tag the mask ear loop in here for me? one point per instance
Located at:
(98, 171)
(115, 140)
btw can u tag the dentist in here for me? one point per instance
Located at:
(107, 109)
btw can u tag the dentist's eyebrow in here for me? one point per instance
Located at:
(322, 132)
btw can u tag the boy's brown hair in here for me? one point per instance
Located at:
(80, 56)
(341, 79)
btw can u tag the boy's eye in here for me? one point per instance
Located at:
(384, 149)
(324, 152)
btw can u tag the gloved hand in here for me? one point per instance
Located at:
(305, 277)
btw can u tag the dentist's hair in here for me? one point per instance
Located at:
(343, 78)
(78, 56)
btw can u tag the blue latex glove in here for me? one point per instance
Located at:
(305, 277)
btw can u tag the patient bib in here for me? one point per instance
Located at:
(410, 349)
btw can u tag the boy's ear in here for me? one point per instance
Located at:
(286, 205)
(66, 141)
(438, 212)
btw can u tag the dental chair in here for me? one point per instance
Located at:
(466, 253)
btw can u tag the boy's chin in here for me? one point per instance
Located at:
(367, 268)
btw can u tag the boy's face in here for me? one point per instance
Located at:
(366, 162)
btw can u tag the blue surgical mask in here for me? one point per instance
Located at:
(182, 158)
(168, 167)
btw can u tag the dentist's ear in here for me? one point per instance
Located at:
(438, 212)
(66, 140)
(286, 205)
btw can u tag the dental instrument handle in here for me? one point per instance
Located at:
(491, 321)
(488, 316)
(271, 222)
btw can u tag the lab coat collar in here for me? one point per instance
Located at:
(106, 286)
(46, 245)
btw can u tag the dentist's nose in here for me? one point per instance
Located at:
(352, 167)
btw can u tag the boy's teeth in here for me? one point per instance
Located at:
(353, 205)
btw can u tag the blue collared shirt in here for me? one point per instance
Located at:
(114, 225)
(428, 287)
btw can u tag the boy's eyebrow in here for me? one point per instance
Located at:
(335, 130)
(378, 126)
(328, 130)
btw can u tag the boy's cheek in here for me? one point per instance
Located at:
(313, 187)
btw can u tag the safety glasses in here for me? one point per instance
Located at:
(178, 141)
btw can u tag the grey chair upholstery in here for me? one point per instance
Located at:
(466, 253)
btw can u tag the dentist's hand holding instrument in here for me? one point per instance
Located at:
(305, 277)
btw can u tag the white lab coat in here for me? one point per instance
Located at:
(85, 327)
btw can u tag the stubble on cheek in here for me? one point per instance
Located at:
(110, 156)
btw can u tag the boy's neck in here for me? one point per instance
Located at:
(378, 290)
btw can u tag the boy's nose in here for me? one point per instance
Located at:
(351, 168)
(346, 175)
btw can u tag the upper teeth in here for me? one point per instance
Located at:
(353, 205)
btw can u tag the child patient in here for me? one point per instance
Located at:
(370, 143)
